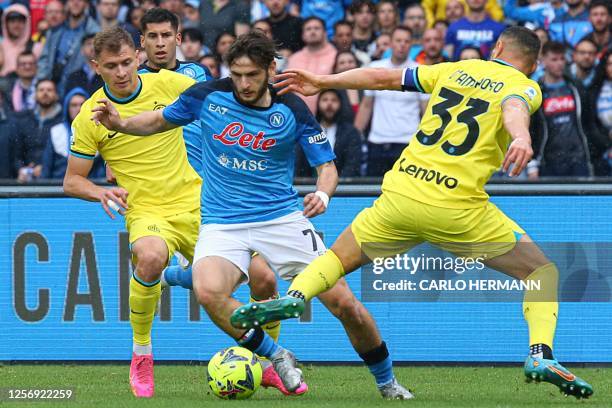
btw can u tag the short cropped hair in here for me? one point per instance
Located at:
(159, 15)
(112, 39)
(255, 45)
(553, 47)
(525, 40)
(192, 34)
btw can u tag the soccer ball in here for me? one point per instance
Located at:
(234, 373)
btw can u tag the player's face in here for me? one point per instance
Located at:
(159, 41)
(74, 106)
(329, 105)
(119, 70)
(250, 80)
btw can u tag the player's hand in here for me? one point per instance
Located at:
(116, 195)
(106, 114)
(297, 80)
(519, 153)
(313, 205)
(110, 177)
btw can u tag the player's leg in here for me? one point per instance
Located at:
(262, 284)
(220, 265)
(150, 255)
(540, 308)
(365, 338)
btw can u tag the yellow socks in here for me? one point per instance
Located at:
(321, 275)
(272, 328)
(540, 307)
(143, 299)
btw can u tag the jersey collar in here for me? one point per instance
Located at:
(127, 99)
(500, 61)
(148, 68)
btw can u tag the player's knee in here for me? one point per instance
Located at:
(346, 308)
(150, 264)
(263, 286)
(208, 297)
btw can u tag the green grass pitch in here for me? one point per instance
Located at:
(330, 386)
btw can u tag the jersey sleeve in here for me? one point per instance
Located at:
(422, 78)
(310, 136)
(83, 142)
(527, 91)
(174, 82)
(186, 108)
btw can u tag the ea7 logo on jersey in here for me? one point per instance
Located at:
(276, 119)
(320, 138)
(217, 108)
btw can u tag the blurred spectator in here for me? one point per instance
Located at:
(364, 16)
(415, 20)
(265, 27)
(350, 99)
(61, 56)
(560, 128)
(600, 17)
(222, 16)
(433, 44)
(212, 63)
(455, 10)
(317, 56)
(191, 14)
(54, 14)
(537, 13)
(173, 6)
(343, 41)
(222, 46)
(23, 91)
(55, 155)
(37, 14)
(601, 104)
(15, 36)
(387, 16)
(330, 11)
(86, 77)
(583, 68)
(452, 10)
(107, 13)
(191, 44)
(476, 29)
(542, 35)
(470, 53)
(395, 115)
(132, 25)
(286, 29)
(33, 130)
(442, 27)
(572, 25)
(342, 135)
(8, 131)
(147, 5)
(381, 45)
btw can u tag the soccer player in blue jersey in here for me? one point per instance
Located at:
(160, 40)
(249, 134)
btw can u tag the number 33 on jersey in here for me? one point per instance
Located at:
(461, 141)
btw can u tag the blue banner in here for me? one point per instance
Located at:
(64, 294)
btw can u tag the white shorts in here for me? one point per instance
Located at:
(287, 243)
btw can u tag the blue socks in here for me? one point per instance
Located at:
(259, 343)
(175, 275)
(380, 364)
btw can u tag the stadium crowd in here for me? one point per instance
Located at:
(46, 71)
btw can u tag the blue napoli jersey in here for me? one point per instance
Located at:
(248, 153)
(191, 132)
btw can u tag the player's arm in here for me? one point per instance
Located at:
(327, 181)
(307, 83)
(77, 185)
(515, 114)
(143, 124)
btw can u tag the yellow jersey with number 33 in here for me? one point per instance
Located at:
(461, 140)
(153, 169)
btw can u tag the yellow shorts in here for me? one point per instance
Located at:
(395, 223)
(180, 231)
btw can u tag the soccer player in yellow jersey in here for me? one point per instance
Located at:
(477, 120)
(162, 208)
